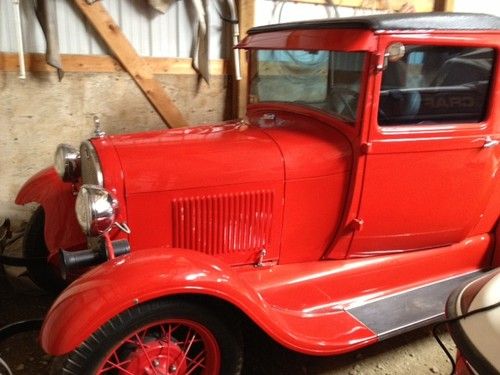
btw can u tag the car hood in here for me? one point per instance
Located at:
(226, 153)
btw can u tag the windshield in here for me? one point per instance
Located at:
(326, 80)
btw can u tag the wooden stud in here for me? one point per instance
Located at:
(246, 12)
(36, 62)
(139, 69)
(444, 6)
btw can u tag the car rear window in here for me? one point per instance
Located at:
(436, 84)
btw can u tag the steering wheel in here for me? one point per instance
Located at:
(347, 97)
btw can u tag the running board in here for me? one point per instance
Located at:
(398, 313)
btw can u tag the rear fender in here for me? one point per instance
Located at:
(140, 276)
(58, 201)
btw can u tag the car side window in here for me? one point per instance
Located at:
(436, 84)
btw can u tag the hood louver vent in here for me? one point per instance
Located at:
(223, 224)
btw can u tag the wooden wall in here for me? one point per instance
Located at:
(38, 113)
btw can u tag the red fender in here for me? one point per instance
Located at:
(58, 201)
(117, 285)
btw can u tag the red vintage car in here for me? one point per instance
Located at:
(361, 188)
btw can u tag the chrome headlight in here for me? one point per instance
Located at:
(67, 163)
(91, 167)
(96, 210)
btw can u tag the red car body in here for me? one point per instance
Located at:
(325, 230)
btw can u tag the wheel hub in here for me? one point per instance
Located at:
(156, 357)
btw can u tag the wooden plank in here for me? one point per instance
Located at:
(184, 66)
(246, 11)
(35, 62)
(138, 69)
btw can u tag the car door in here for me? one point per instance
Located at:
(432, 155)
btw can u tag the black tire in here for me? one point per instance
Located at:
(143, 322)
(43, 275)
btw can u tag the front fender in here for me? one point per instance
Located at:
(117, 285)
(58, 201)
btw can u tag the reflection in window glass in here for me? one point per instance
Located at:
(436, 84)
(325, 80)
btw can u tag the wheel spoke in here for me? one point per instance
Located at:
(169, 339)
(196, 362)
(144, 333)
(130, 341)
(187, 340)
(162, 329)
(186, 351)
(145, 351)
(114, 362)
(184, 341)
(115, 366)
(166, 338)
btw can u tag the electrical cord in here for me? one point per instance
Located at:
(451, 320)
(5, 366)
(443, 347)
(20, 327)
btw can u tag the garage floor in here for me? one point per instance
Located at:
(415, 353)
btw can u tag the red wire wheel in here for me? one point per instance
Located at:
(165, 337)
(175, 346)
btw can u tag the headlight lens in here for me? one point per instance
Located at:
(96, 210)
(67, 163)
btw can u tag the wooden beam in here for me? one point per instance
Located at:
(36, 62)
(140, 71)
(246, 13)
(444, 5)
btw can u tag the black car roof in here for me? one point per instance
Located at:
(395, 21)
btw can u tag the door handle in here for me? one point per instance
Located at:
(490, 142)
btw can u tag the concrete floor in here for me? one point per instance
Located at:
(414, 353)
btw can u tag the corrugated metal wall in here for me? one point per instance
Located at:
(150, 32)
(269, 11)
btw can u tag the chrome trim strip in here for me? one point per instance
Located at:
(401, 312)
(95, 160)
